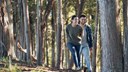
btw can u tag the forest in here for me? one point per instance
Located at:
(33, 37)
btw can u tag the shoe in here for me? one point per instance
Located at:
(78, 68)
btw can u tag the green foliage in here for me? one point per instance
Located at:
(4, 59)
(5, 62)
(32, 10)
(93, 27)
(15, 69)
(33, 71)
(90, 7)
(69, 7)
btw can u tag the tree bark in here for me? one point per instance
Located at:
(43, 21)
(21, 28)
(10, 29)
(125, 18)
(59, 29)
(46, 44)
(95, 40)
(53, 33)
(111, 51)
(26, 27)
(38, 33)
(80, 7)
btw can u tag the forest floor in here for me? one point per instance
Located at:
(22, 67)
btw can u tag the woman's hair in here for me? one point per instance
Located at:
(73, 17)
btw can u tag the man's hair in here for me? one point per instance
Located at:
(82, 16)
(73, 17)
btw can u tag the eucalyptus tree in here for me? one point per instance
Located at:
(95, 39)
(27, 28)
(59, 29)
(111, 51)
(38, 34)
(11, 51)
(53, 25)
(125, 18)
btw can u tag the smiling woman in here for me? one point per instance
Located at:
(73, 32)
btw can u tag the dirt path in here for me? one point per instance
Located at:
(22, 67)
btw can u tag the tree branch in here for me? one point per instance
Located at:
(25, 51)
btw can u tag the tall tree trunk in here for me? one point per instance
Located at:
(1, 30)
(100, 49)
(43, 21)
(46, 41)
(118, 25)
(4, 25)
(125, 18)
(111, 51)
(1, 33)
(118, 22)
(26, 27)
(10, 28)
(53, 33)
(59, 22)
(21, 28)
(16, 23)
(79, 7)
(38, 33)
(11, 51)
(95, 40)
(66, 58)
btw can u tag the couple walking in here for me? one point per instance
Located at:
(79, 40)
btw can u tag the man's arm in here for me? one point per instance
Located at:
(89, 36)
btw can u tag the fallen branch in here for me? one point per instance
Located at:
(20, 48)
(25, 51)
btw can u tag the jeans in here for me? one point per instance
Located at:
(74, 49)
(86, 54)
